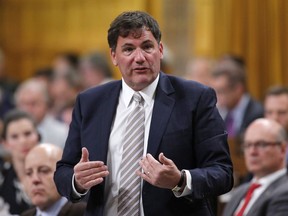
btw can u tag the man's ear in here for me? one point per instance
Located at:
(113, 57)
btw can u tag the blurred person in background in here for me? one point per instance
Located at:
(64, 62)
(63, 91)
(33, 97)
(276, 106)
(95, 69)
(43, 75)
(199, 69)
(265, 143)
(236, 106)
(7, 87)
(40, 164)
(19, 136)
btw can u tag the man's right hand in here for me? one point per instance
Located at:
(88, 173)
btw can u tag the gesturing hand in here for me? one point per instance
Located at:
(162, 173)
(88, 173)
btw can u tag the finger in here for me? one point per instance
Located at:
(91, 171)
(82, 178)
(164, 160)
(85, 155)
(90, 165)
(88, 181)
(151, 160)
(143, 176)
(88, 184)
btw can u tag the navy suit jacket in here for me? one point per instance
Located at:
(185, 126)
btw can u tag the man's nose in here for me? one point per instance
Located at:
(139, 56)
(35, 178)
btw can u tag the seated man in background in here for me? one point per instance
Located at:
(276, 105)
(33, 97)
(267, 193)
(199, 69)
(236, 105)
(40, 165)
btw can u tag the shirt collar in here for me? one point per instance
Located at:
(267, 180)
(54, 209)
(147, 93)
(241, 106)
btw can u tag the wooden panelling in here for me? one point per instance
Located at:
(33, 31)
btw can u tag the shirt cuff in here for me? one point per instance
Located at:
(188, 188)
(75, 193)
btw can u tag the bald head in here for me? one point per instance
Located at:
(267, 127)
(40, 165)
(264, 147)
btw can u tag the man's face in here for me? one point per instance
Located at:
(263, 160)
(138, 58)
(226, 94)
(276, 108)
(39, 171)
(32, 102)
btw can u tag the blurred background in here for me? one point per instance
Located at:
(62, 45)
(33, 32)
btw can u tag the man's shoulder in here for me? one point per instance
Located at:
(72, 209)
(29, 212)
(179, 83)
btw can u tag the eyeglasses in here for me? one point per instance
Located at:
(259, 144)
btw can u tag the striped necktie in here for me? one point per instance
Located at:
(133, 142)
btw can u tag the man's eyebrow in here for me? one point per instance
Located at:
(130, 44)
(127, 44)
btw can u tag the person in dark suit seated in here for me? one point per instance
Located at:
(40, 164)
(267, 193)
(276, 106)
(236, 106)
(149, 144)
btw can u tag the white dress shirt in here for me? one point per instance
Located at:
(54, 209)
(265, 183)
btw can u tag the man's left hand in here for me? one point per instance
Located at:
(162, 173)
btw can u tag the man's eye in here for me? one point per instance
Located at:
(45, 171)
(28, 133)
(28, 173)
(127, 49)
(148, 47)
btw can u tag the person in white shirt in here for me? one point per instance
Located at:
(264, 151)
(33, 97)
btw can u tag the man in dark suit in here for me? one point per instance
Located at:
(40, 164)
(237, 107)
(185, 160)
(264, 150)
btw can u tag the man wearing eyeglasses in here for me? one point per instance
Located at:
(264, 149)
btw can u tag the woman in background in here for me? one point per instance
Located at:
(19, 135)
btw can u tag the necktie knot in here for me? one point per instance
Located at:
(254, 186)
(138, 98)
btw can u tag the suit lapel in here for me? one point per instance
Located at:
(239, 195)
(105, 116)
(265, 195)
(163, 106)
